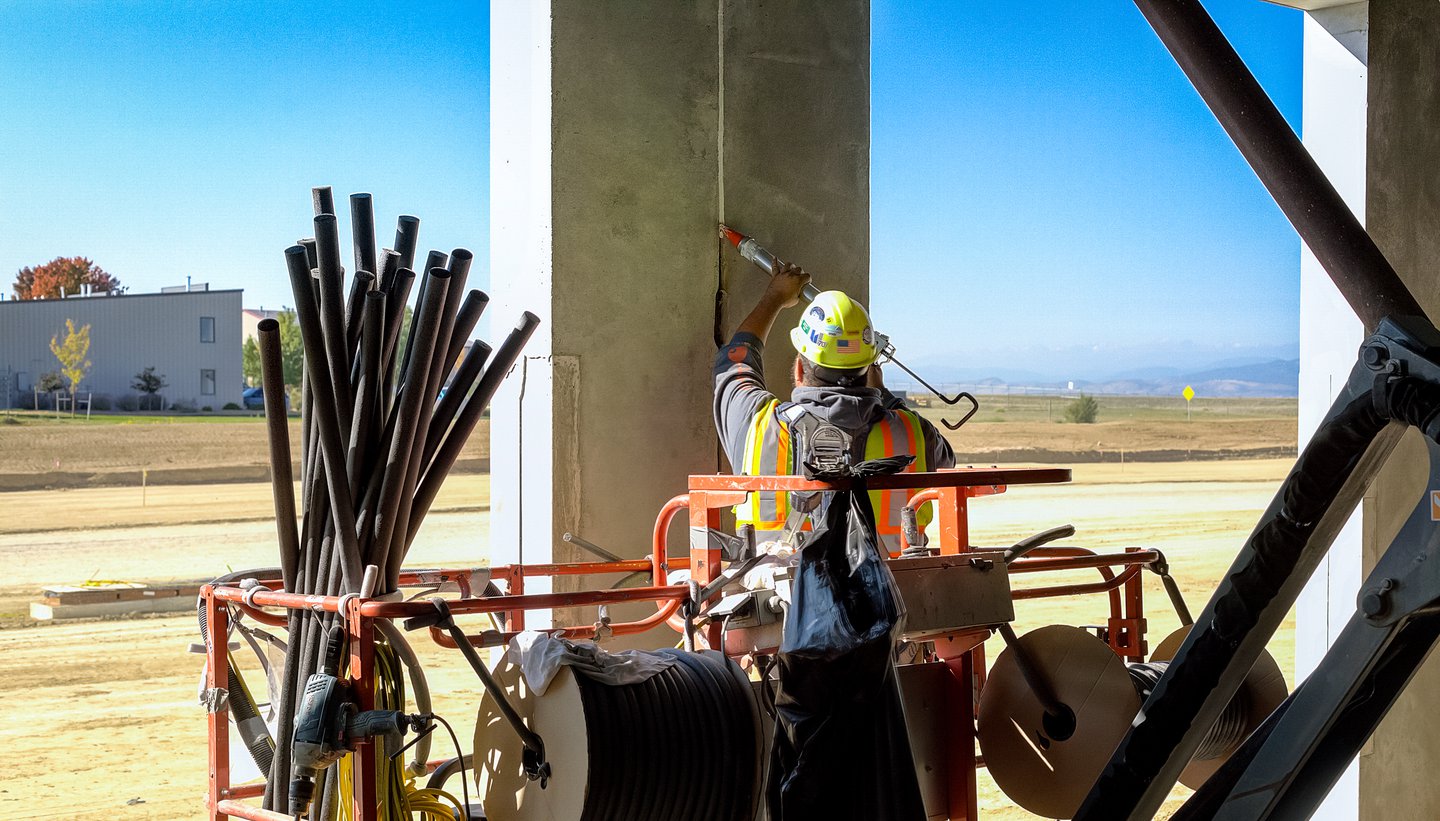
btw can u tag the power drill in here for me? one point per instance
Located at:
(328, 724)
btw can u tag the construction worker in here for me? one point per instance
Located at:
(837, 386)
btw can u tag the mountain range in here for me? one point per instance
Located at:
(1253, 373)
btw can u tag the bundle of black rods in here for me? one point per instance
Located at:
(377, 438)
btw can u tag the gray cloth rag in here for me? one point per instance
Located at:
(540, 656)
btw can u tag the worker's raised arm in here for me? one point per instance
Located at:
(782, 292)
(739, 369)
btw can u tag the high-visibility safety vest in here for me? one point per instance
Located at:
(768, 452)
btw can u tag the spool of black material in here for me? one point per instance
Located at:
(1225, 734)
(683, 744)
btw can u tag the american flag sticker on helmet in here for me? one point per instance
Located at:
(844, 343)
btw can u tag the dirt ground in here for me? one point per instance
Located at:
(104, 533)
(104, 722)
(1127, 440)
(40, 453)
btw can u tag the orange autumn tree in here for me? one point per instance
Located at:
(68, 273)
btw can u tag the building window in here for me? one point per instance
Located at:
(207, 383)
(207, 330)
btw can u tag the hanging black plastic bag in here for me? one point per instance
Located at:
(841, 750)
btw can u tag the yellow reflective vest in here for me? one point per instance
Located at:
(768, 452)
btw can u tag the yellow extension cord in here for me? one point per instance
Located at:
(400, 798)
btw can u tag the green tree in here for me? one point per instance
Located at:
(250, 361)
(292, 350)
(49, 382)
(149, 383)
(72, 353)
(1084, 410)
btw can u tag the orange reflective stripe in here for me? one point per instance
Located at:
(921, 464)
(782, 449)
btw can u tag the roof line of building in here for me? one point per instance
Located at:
(102, 297)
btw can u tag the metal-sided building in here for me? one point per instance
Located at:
(191, 338)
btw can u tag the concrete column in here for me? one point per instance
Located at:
(1334, 131)
(795, 165)
(1403, 214)
(621, 134)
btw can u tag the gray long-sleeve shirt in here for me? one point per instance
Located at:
(740, 393)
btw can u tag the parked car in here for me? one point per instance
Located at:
(254, 399)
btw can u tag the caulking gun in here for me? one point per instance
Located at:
(766, 261)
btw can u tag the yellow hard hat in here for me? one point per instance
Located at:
(835, 332)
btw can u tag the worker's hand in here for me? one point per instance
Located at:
(787, 283)
(875, 379)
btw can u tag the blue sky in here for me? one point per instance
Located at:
(166, 140)
(1050, 181)
(1048, 190)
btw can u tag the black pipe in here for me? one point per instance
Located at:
(311, 258)
(407, 411)
(361, 284)
(428, 390)
(465, 320)
(442, 364)
(1310, 202)
(327, 418)
(469, 417)
(460, 262)
(389, 267)
(454, 397)
(407, 236)
(362, 231)
(367, 388)
(323, 198)
(277, 424)
(435, 259)
(313, 497)
(394, 319)
(306, 414)
(395, 306)
(332, 316)
(317, 508)
(285, 717)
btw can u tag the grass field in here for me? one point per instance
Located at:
(65, 419)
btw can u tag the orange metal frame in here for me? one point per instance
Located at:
(962, 653)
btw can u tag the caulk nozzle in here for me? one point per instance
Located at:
(731, 234)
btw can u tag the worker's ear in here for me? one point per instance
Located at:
(797, 373)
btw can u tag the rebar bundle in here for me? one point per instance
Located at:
(377, 438)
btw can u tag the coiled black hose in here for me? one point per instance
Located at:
(681, 744)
